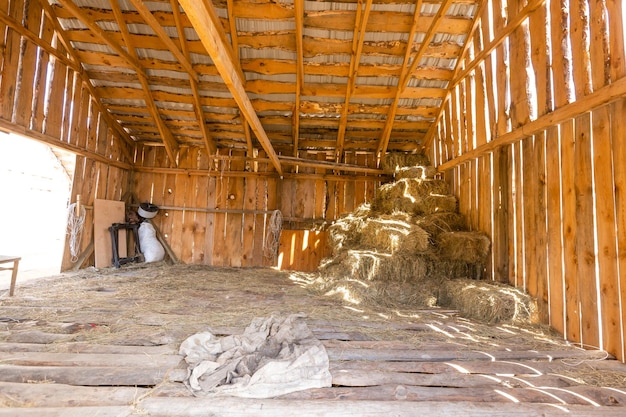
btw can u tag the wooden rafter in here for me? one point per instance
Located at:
(171, 147)
(358, 38)
(408, 73)
(76, 63)
(204, 19)
(234, 39)
(299, 19)
(209, 142)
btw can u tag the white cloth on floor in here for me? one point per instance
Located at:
(274, 356)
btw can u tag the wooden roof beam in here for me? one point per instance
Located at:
(208, 140)
(407, 72)
(299, 19)
(203, 18)
(171, 146)
(357, 47)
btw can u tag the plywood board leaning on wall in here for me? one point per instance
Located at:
(105, 213)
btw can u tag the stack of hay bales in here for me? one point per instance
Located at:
(410, 248)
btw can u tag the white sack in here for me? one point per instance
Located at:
(272, 357)
(150, 245)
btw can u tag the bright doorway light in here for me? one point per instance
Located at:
(35, 184)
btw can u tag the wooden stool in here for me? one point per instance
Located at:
(16, 261)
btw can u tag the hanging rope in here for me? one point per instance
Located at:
(272, 238)
(75, 222)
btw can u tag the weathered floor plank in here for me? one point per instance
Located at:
(61, 395)
(240, 407)
(84, 356)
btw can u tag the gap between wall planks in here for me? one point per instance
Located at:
(566, 235)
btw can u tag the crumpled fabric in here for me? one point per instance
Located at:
(274, 356)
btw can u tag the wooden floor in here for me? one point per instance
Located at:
(104, 343)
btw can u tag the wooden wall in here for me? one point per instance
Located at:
(43, 96)
(532, 141)
(217, 210)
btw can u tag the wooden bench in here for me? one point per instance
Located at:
(16, 261)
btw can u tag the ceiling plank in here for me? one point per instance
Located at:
(234, 40)
(204, 19)
(408, 73)
(171, 146)
(299, 19)
(358, 38)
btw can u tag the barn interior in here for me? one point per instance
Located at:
(429, 190)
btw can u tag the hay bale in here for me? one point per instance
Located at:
(436, 203)
(419, 172)
(489, 302)
(345, 231)
(390, 233)
(471, 247)
(405, 195)
(440, 222)
(374, 279)
(392, 161)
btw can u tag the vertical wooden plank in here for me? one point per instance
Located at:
(220, 257)
(599, 53)
(341, 197)
(11, 56)
(234, 221)
(167, 226)
(320, 190)
(455, 118)
(492, 95)
(512, 214)
(371, 185)
(473, 193)
(450, 138)
(529, 207)
(500, 244)
(250, 202)
(210, 219)
(618, 132)
(485, 208)
(520, 264)
(561, 67)
(188, 220)
(519, 57)
(463, 122)
(616, 39)
(554, 222)
(541, 238)
(538, 24)
(27, 66)
(359, 185)
(58, 112)
(579, 25)
(200, 217)
(463, 190)
(606, 231)
(83, 120)
(288, 197)
(271, 203)
(569, 207)
(585, 251)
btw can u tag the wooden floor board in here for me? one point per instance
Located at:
(114, 352)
